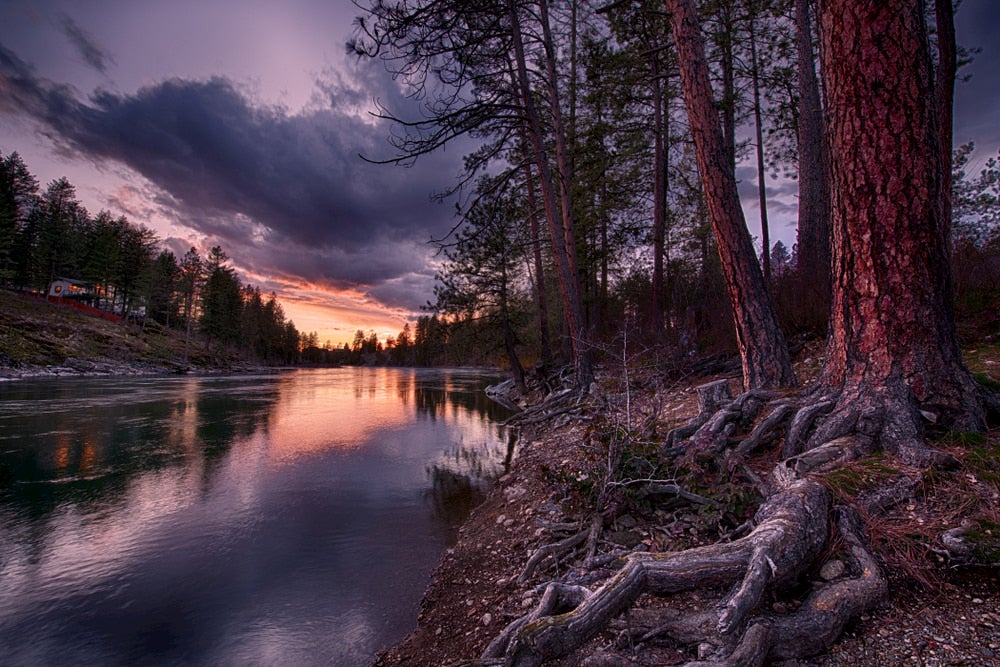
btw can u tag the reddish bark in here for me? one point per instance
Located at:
(766, 362)
(892, 327)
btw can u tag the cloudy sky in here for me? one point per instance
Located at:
(240, 122)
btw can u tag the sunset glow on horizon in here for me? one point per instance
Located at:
(248, 137)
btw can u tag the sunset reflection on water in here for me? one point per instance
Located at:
(189, 519)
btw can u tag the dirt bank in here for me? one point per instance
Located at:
(42, 339)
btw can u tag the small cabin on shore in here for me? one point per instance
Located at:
(67, 288)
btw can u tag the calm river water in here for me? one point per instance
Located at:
(287, 519)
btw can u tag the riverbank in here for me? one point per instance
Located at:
(41, 339)
(936, 614)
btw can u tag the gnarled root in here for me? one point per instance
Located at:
(556, 598)
(808, 631)
(555, 549)
(718, 415)
(791, 531)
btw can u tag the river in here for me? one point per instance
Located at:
(285, 519)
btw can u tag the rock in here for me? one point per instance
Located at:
(487, 618)
(832, 569)
(625, 538)
(512, 492)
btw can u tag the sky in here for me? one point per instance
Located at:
(240, 123)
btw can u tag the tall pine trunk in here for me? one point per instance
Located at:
(661, 175)
(765, 232)
(814, 191)
(541, 300)
(892, 332)
(764, 352)
(558, 205)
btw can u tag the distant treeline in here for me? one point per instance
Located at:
(47, 235)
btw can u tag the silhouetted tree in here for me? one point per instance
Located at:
(18, 197)
(479, 278)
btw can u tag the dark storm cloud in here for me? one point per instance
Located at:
(85, 45)
(977, 100)
(230, 169)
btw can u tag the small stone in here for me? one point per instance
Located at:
(512, 492)
(832, 569)
(437, 632)
(487, 618)
(705, 650)
(501, 519)
(977, 600)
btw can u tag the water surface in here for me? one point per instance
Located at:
(269, 520)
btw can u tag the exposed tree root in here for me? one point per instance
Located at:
(557, 549)
(766, 428)
(789, 532)
(711, 396)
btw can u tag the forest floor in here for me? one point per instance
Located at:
(937, 613)
(43, 339)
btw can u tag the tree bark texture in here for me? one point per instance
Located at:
(892, 327)
(766, 362)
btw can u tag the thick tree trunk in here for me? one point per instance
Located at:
(814, 193)
(766, 362)
(892, 327)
